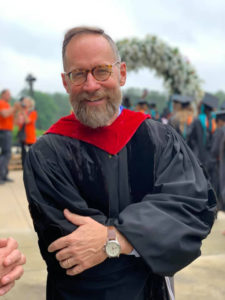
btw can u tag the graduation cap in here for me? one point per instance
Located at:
(220, 115)
(142, 102)
(152, 104)
(182, 99)
(210, 100)
(222, 106)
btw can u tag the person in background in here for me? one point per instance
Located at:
(11, 261)
(142, 106)
(26, 119)
(118, 200)
(222, 106)
(126, 102)
(165, 116)
(183, 114)
(216, 166)
(202, 129)
(153, 111)
(6, 126)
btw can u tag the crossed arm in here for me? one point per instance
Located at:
(168, 223)
(11, 261)
(84, 247)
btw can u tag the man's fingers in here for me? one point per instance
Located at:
(67, 263)
(15, 274)
(4, 289)
(58, 244)
(75, 270)
(12, 258)
(3, 243)
(63, 254)
(74, 218)
(22, 259)
(11, 244)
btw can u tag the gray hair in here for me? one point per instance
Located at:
(32, 102)
(87, 30)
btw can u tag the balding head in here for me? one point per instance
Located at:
(77, 31)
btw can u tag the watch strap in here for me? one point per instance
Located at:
(111, 233)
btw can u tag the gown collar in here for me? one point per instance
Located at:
(110, 138)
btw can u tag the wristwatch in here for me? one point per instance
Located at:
(112, 246)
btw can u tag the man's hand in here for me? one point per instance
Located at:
(11, 261)
(83, 248)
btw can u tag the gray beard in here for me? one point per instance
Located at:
(98, 116)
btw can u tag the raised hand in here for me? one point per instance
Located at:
(11, 261)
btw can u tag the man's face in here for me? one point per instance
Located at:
(6, 95)
(26, 103)
(95, 103)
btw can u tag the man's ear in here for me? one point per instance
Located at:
(123, 73)
(65, 82)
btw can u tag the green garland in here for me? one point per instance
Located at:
(179, 75)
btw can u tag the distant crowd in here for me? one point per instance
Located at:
(203, 128)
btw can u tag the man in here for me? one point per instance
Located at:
(202, 129)
(118, 200)
(6, 126)
(183, 114)
(11, 261)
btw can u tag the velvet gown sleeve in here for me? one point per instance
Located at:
(167, 226)
(50, 189)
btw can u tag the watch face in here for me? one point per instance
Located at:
(112, 249)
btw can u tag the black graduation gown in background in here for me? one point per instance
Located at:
(195, 140)
(153, 191)
(222, 169)
(217, 165)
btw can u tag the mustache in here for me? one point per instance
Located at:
(92, 96)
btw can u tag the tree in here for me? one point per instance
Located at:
(221, 96)
(46, 109)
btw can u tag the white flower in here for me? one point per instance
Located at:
(178, 73)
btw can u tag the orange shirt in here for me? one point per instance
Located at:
(30, 128)
(6, 123)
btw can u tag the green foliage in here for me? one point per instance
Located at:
(221, 96)
(39, 132)
(46, 109)
(14, 135)
(62, 103)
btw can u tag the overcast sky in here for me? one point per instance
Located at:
(32, 32)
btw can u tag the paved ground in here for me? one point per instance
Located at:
(203, 279)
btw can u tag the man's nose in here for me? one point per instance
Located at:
(91, 84)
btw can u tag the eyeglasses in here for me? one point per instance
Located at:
(100, 73)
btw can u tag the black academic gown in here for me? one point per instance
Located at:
(222, 169)
(153, 191)
(196, 142)
(217, 165)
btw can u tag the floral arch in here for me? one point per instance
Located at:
(178, 74)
